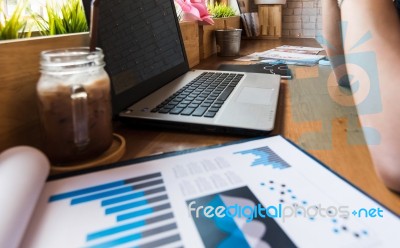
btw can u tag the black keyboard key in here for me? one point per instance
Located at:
(199, 111)
(210, 114)
(182, 105)
(170, 106)
(213, 109)
(187, 111)
(205, 104)
(193, 105)
(224, 95)
(217, 105)
(164, 111)
(176, 111)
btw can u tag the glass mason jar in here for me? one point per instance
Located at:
(74, 104)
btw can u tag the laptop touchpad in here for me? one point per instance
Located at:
(255, 95)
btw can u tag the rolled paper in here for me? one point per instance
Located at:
(23, 172)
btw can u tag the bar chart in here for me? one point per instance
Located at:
(140, 206)
(266, 157)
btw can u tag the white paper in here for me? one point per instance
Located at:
(149, 203)
(23, 172)
(298, 55)
(291, 56)
(299, 49)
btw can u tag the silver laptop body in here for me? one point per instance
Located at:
(250, 108)
(146, 61)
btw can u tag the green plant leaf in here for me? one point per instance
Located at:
(16, 25)
(221, 10)
(65, 17)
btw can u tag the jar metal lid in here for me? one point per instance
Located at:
(71, 60)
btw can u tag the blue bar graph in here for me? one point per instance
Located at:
(126, 206)
(100, 195)
(266, 157)
(115, 230)
(131, 196)
(114, 192)
(136, 236)
(119, 241)
(85, 191)
(135, 204)
(129, 226)
(100, 187)
(136, 212)
(142, 212)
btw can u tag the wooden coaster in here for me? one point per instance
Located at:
(113, 154)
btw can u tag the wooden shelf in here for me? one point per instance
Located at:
(270, 21)
(270, 17)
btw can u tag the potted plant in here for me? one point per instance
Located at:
(15, 25)
(65, 18)
(222, 15)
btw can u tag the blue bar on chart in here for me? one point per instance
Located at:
(160, 242)
(132, 196)
(114, 192)
(135, 204)
(101, 187)
(128, 226)
(143, 213)
(136, 236)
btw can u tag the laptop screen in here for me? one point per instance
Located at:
(142, 45)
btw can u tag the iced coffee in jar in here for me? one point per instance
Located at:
(74, 104)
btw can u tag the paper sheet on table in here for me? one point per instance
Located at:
(23, 172)
(160, 201)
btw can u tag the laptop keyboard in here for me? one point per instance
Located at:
(203, 96)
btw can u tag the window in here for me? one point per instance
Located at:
(35, 6)
(35, 15)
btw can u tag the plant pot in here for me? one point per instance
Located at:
(228, 41)
(207, 42)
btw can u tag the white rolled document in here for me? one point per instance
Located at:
(23, 172)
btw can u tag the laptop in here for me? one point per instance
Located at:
(153, 85)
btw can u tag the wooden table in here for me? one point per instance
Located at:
(307, 115)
